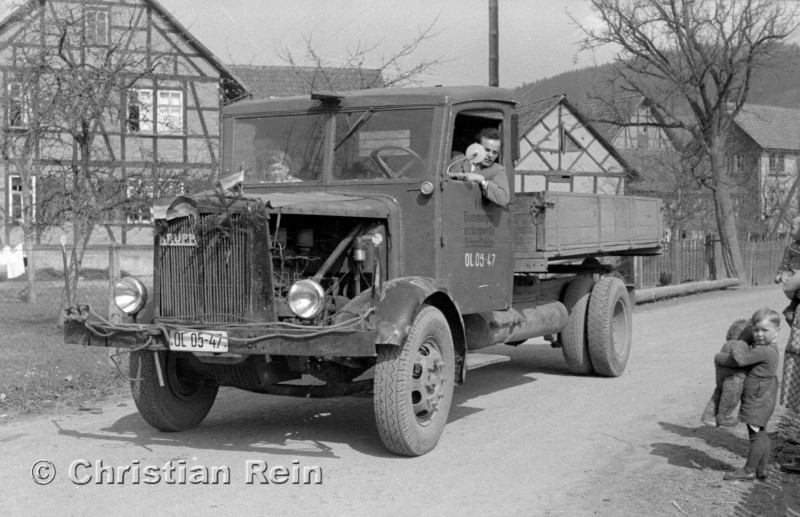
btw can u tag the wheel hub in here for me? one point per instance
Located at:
(428, 380)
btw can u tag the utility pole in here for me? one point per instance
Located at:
(494, 53)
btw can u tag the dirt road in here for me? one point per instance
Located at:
(524, 438)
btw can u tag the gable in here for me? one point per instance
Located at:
(559, 140)
(146, 24)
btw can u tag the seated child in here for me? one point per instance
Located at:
(790, 262)
(721, 409)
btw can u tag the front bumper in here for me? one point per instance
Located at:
(83, 327)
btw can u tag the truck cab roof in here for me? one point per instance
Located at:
(377, 97)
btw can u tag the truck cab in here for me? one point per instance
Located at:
(391, 147)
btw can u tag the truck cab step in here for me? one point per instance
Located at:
(478, 360)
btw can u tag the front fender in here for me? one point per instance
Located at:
(399, 302)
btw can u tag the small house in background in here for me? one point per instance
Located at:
(561, 151)
(764, 150)
(263, 82)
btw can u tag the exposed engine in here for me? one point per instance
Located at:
(343, 255)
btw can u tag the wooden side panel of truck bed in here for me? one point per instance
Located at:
(563, 225)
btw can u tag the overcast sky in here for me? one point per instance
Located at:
(537, 38)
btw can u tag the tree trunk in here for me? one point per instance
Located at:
(728, 235)
(31, 270)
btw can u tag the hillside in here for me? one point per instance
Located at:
(779, 87)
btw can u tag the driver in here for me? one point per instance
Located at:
(490, 175)
(272, 165)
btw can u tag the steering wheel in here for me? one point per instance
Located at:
(384, 167)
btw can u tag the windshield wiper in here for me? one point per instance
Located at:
(360, 122)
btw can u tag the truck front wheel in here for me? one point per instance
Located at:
(573, 337)
(181, 403)
(414, 386)
(610, 326)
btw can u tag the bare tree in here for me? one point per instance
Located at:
(73, 86)
(694, 60)
(375, 70)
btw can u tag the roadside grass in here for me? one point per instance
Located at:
(38, 372)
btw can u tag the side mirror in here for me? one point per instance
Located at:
(475, 154)
(231, 181)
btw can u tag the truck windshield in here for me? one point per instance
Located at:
(369, 144)
(382, 144)
(280, 149)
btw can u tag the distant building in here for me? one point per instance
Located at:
(561, 151)
(764, 150)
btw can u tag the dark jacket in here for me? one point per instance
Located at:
(760, 391)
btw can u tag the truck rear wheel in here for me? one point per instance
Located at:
(574, 344)
(414, 386)
(610, 326)
(184, 400)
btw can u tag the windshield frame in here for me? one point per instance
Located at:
(331, 139)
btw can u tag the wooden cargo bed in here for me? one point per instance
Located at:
(565, 225)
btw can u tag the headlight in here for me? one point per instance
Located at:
(130, 295)
(306, 298)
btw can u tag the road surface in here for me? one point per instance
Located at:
(524, 438)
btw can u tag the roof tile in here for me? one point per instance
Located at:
(772, 127)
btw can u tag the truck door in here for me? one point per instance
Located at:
(476, 249)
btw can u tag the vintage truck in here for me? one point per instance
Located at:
(344, 258)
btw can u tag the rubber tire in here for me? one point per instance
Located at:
(165, 407)
(574, 343)
(609, 326)
(399, 428)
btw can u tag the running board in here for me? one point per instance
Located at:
(478, 360)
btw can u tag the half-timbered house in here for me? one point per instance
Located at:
(166, 126)
(561, 151)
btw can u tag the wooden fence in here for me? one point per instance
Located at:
(692, 260)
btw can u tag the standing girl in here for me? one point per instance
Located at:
(760, 391)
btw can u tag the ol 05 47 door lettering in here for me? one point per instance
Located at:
(479, 259)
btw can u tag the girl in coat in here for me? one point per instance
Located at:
(760, 390)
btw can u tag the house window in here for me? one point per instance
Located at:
(567, 143)
(97, 27)
(140, 111)
(737, 164)
(16, 201)
(643, 138)
(17, 106)
(776, 164)
(168, 111)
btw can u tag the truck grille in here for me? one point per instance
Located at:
(209, 281)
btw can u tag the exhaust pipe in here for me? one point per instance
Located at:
(514, 325)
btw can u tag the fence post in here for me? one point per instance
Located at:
(711, 264)
(114, 315)
(676, 250)
(638, 272)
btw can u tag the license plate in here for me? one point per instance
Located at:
(193, 341)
